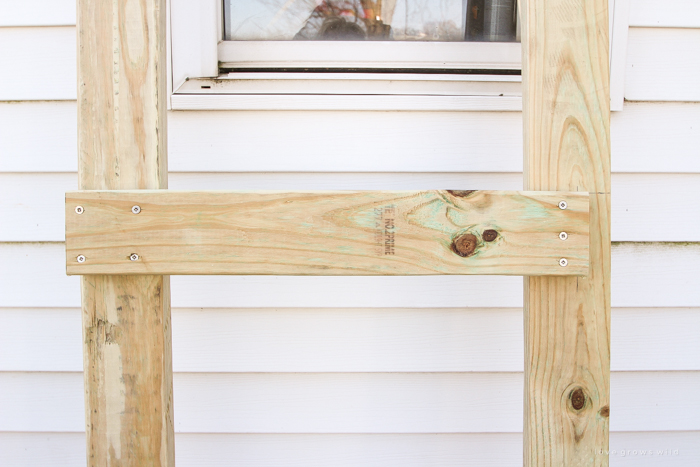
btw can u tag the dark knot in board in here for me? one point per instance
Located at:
(465, 245)
(489, 235)
(461, 193)
(578, 398)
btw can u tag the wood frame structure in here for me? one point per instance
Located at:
(126, 318)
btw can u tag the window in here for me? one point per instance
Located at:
(386, 54)
(462, 36)
(373, 20)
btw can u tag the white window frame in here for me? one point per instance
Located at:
(197, 51)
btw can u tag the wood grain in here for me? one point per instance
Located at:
(567, 147)
(122, 145)
(327, 233)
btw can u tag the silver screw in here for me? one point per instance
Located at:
(563, 235)
(563, 205)
(79, 210)
(563, 262)
(80, 258)
(134, 257)
(136, 209)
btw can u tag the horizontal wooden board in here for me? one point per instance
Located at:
(327, 233)
(37, 13)
(662, 65)
(351, 340)
(672, 14)
(32, 204)
(646, 137)
(669, 449)
(352, 402)
(38, 63)
(643, 275)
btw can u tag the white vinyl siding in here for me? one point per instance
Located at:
(354, 371)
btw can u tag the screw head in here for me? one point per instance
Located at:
(79, 210)
(563, 205)
(563, 235)
(563, 262)
(80, 258)
(136, 209)
(134, 257)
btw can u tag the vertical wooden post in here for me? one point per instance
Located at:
(567, 147)
(126, 319)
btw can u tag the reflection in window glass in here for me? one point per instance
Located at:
(398, 20)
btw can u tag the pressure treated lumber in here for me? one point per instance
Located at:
(567, 147)
(327, 233)
(126, 319)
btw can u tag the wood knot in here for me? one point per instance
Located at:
(604, 411)
(578, 398)
(461, 193)
(465, 245)
(489, 235)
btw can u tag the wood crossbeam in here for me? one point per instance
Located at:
(327, 233)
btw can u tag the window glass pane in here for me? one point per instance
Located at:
(398, 20)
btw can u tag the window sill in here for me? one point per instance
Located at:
(350, 91)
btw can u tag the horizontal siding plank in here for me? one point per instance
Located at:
(337, 141)
(391, 450)
(39, 137)
(665, 200)
(668, 449)
(37, 13)
(656, 137)
(32, 206)
(348, 402)
(31, 214)
(669, 14)
(51, 402)
(350, 450)
(42, 449)
(351, 340)
(643, 275)
(352, 402)
(38, 64)
(662, 65)
(41, 339)
(646, 137)
(22, 264)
